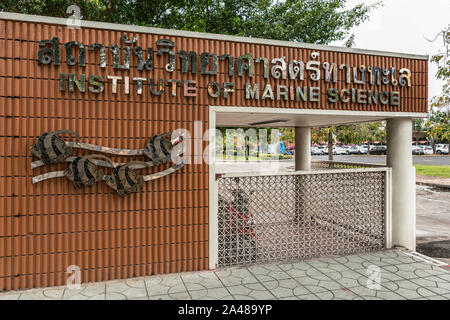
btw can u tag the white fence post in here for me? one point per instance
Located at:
(388, 209)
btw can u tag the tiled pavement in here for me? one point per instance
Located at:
(402, 277)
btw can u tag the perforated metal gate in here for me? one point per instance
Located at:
(289, 217)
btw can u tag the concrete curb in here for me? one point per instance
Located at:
(434, 185)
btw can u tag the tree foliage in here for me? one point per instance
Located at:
(313, 21)
(372, 132)
(438, 125)
(418, 125)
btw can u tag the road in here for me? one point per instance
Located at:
(433, 223)
(430, 160)
(275, 166)
(432, 213)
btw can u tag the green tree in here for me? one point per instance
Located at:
(373, 132)
(320, 135)
(438, 124)
(288, 135)
(313, 21)
(418, 125)
(350, 134)
(438, 127)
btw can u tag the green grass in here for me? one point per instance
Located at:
(432, 171)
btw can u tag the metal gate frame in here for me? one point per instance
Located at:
(289, 253)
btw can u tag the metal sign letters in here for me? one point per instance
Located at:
(211, 64)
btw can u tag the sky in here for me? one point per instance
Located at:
(403, 26)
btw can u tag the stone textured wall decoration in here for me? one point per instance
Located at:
(86, 170)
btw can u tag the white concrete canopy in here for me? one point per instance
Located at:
(278, 118)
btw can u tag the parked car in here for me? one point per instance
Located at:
(316, 151)
(427, 150)
(364, 149)
(289, 152)
(357, 150)
(346, 147)
(378, 150)
(442, 148)
(354, 150)
(418, 150)
(339, 151)
(324, 149)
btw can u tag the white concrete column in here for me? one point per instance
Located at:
(302, 149)
(399, 158)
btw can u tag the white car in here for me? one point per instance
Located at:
(340, 151)
(442, 148)
(355, 150)
(324, 149)
(316, 151)
(362, 150)
(415, 150)
(427, 150)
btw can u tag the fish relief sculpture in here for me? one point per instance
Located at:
(84, 171)
(158, 149)
(51, 148)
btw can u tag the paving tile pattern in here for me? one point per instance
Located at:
(386, 275)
